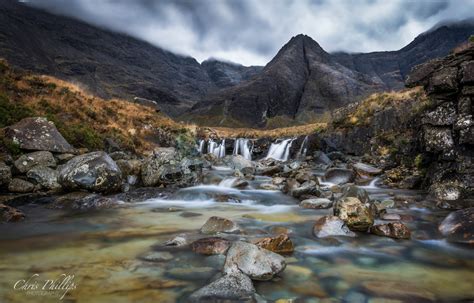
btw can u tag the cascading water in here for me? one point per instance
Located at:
(201, 146)
(216, 149)
(242, 147)
(280, 150)
(303, 149)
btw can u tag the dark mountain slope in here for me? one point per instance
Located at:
(227, 74)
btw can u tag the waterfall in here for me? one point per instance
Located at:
(201, 146)
(303, 149)
(280, 150)
(227, 182)
(216, 149)
(241, 147)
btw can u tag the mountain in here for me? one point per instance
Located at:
(108, 64)
(303, 83)
(227, 74)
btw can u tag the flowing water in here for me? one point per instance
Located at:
(242, 147)
(103, 250)
(280, 150)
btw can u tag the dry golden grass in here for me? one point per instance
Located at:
(292, 131)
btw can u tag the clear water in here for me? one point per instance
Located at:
(102, 250)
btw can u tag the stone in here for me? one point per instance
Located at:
(280, 244)
(458, 226)
(239, 162)
(268, 186)
(63, 158)
(25, 162)
(157, 256)
(437, 139)
(366, 170)
(210, 246)
(394, 230)
(356, 215)
(253, 261)
(356, 192)
(177, 241)
(234, 287)
(270, 171)
(217, 224)
(5, 174)
(161, 163)
(94, 171)
(10, 214)
(331, 226)
(443, 80)
(129, 167)
(278, 181)
(339, 175)
(467, 72)
(17, 185)
(46, 177)
(307, 188)
(321, 158)
(391, 217)
(449, 190)
(319, 203)
(445, 114)
(38, 134)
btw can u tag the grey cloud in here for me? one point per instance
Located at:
(251, 32)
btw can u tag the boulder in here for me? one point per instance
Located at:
(339, 175)
(94, 171)
(280, 244)
(356, 215)
(366, 170)
(25, 162)
(331, 226)
(443, 80)
(458, 226)
(17, 185)
(210, 246)
(255, 262)
(161, 165)
(320, 203)
(46, 177)
(38, 134)
(437, 139)
(177, 241)
(308, 188)
(217, 224)
(356, 192)
(5, 174)
(268, 186)
(10, 214)
(233, 287)
(394, 230)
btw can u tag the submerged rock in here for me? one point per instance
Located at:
(394, 230)
(331, 226)
(232, 287)
(339, 175)
(17, 185)
(319, 203)
(458, 226)
(255, 262)
(10, 214)
(210, 246)
(157, 256)
(43, 158)
(356, 215)
(38, 134)
(94, 171)
(217, 224)
(281, 244)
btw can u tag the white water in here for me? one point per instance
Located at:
(372, 184)
(280, 150)
(216, 149)
(227, 182)
(303, 149)
(241, 147)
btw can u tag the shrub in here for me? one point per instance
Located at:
(11, 113)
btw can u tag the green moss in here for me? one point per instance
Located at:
(12, 147)
(11, 113)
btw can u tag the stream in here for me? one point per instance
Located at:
(104, 250)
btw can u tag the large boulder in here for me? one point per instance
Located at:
(331, 226)
(161, 166)
(339, 175)
(5, 174)
(234, 287)
(217, 224)
(255, 262)
(38, 134)
(394, 230)
(356, 215)
(25, 162)
(94, 171)
(458, 226)
(46, 177)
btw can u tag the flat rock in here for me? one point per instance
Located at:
(339, 175)
(46, 177)
(17, 185)
(25, 162)
(331, 226)
(366, 169)
(38, 134)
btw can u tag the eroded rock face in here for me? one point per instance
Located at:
(217, 224)
(94, 171)
(339, 175)
(255, 262)
(458, 226)
(10, 214)
(210, 246)
(46, 177)
(38, 134)
(356, 215)
(438, 139)
(5, 174)
(233, 287)
(394, 230)
(25, 162)
(281, 244)
(331, 226)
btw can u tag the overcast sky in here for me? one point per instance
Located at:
(251, 32)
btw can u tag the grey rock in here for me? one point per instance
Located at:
(339, 175)
(458, 226)
(5, 174)
(17, 185)
(320, 203)
(233, 287)
(445, 114)
(219, 225)
(156, 168)
(331, 226)
(364, 169)
(437, 139)
(25, 162)
(46, 177)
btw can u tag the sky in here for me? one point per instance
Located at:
(251, 32)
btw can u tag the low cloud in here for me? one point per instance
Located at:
(251, 32)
